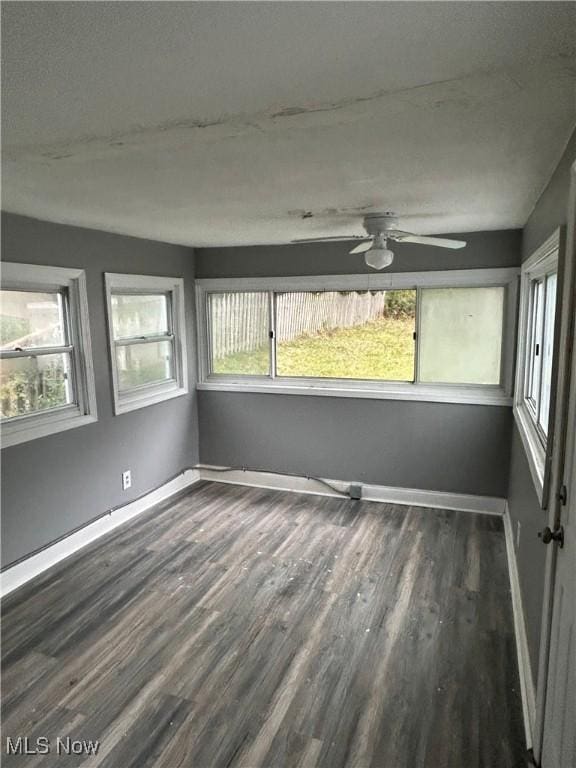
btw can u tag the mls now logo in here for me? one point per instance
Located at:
(25, 746)
(22, 745)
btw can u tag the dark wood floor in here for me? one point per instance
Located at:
(243, 627)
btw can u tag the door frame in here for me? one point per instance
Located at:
(567, 274)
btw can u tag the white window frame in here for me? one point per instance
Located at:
(387, 390)
(31, 277)
(542, 262)
(141, 397)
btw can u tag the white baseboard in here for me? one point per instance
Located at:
(461, 502)
(527, 689)
(22, 572)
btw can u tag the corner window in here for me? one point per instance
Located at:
(147, 339)
(46, 376)
(431, 336)
(535, 357)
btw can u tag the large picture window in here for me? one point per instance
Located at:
(412, 336)
(321, 334)
(535, 357)
(365, 335)
(147, 339)
(46, 377)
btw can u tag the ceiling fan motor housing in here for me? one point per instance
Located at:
(379, 222)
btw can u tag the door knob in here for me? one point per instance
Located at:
(547, 535)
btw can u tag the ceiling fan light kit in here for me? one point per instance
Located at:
(380, 228)
(379, 256)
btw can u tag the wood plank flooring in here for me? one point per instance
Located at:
(236, 627)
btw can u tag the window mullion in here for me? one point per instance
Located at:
(176, 360)
(417, 339)
(272, 334)
(65, 299)
(143, 339)
(170, 315)
(533, 367)
(529, 366)
(72, 376)
(540, 361)
(208, 335)
(9, 354)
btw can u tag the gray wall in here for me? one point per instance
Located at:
(54, 484)
(484, 249)
(439, 447)
(549, 213)
(459, 448)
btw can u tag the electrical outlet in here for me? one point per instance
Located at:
(518, 534)
(126, 480)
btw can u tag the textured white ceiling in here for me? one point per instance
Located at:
(220, 123)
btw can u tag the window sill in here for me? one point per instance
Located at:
(25, 429)
(402, 391)
(535, 451)
(124, 404)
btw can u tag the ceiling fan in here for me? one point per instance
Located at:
(381, 227)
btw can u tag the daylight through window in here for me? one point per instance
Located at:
(147, 339)
(536, 323)
(143, 339)
(346, 335)
(539, 348)
(240, 324)
(428, 335)
(46, 374)
(36, 353)
(461, 335)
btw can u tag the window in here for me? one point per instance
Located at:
(461, 335)
(240, 325)
(542, 308)
(321, 334)
(46, 376)
(535, 356)
(435, 336)
(147, 339)
(366, 335)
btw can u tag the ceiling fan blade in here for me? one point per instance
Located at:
(439, 242)
(336, 238)
(363, 247)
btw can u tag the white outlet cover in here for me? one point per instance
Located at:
(126, 480)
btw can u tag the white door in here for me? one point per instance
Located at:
(559, 747)
(559, 731)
